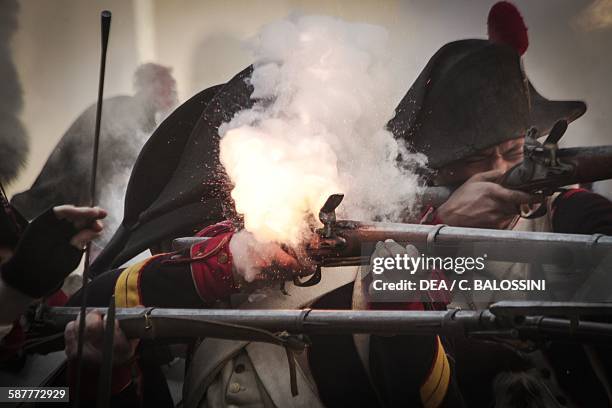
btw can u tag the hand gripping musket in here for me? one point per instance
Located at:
(545, 167)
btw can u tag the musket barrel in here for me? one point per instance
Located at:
(591, 163)
(498, 245)
(134, 320)
(158, 324)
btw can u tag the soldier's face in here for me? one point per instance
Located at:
(162, 93)
(500, 157)
(165, 94)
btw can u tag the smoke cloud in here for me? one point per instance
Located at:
(14, 144)
(597, 16)
(323, 95)
(126, 133)
(114, 185)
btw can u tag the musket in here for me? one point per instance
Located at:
(531, 323)
(342, 242)
(350, 243)
(536, 321)
(545, 168)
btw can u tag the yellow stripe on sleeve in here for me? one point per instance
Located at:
(127, 292)
(435, 386)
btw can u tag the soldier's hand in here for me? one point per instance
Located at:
(394, 275)
(482, 203)
(93, 340)
(85, 220)
(51, 248)
(254, 260)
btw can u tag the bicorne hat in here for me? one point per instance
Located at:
(474, 94)
(177, 185)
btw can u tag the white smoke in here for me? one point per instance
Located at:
(112, 191)
(323, 90)
(596, 16)
(113, 188)
(126, 133)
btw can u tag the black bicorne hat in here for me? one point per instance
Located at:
(473, 94)
(177, 184)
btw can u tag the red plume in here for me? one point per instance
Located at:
(506, 26)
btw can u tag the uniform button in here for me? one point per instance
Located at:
(222, 257)
(234, 388)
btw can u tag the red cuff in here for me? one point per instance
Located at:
(571, 192)
(564, 195)
(57, 298)
(216, 229)
(211, 266)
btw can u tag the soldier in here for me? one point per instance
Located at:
(128, 121)
(36, 257)
(469, 111)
